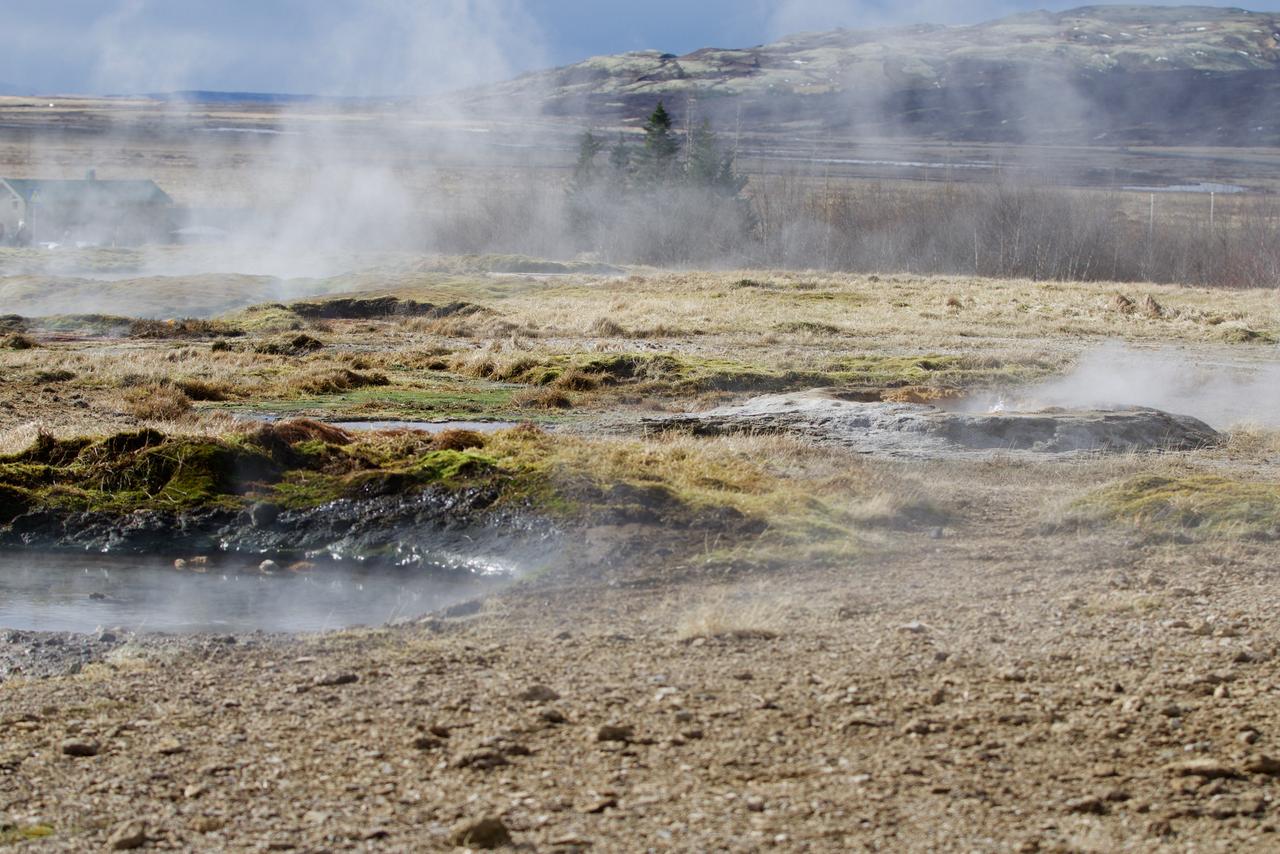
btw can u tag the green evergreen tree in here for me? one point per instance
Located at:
(620, 162)
(711, 168)
(584, 171)
(658, 159)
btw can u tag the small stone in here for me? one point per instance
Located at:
(538, 694)
(336, 679)
(1263, 765)
(916, 727)
(128, 836)
(754, 803)
(263, 514)
(610, 732)
(915, 627)
(1210, 769)
(1086, 806)
(169, 747)
(598, 805)
(106, 637)
(553, 716)
(80, 748)
(487, 833)
(208, 824)
(1172, 710)
(268, 566)
(179, 564)
(194, 790)
(427, 742)
(1248, 736)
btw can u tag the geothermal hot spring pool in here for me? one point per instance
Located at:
(87, 593)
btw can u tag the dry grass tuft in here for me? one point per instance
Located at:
(334, 381)
(457, 440)
(722, 617)
(184, 328)
(576, 379)
(157, 403)
(204, 390)
(603, 327)
(17, 341)
(542, 398)
(300, 430)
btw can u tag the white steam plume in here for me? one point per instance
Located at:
(1223, 390)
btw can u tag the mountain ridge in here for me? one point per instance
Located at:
(1127, 74)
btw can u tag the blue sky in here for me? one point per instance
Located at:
(363, 47)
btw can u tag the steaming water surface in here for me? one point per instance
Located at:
(87, 593)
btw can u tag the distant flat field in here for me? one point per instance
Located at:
(238, 155)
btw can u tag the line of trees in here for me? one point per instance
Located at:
(669, 199)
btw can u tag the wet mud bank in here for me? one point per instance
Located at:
(446, 528)
(922, 430)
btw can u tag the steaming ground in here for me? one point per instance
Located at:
(749, 641)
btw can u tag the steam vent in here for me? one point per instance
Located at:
(908, 429)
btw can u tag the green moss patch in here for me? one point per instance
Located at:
(1197, 505)
(13, 834)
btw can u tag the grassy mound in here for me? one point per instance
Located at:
(670, 373)
(772, 500)
(1199, 505)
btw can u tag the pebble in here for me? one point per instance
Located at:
(610, 732)
(1207, 768)
(128, 835)
(336, 679)
(538, 694)
(487, 833)
(755, 803)
(1086, 806)
(1263, 765)
(80, 748)
(268, 566)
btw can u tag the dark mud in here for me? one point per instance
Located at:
(451, 528)
(380, 307)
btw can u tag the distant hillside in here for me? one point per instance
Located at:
(1109, 74)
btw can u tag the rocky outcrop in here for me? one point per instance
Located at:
(905, 429)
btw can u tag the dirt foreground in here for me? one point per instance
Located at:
(988, 687)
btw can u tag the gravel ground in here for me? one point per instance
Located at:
(978, 693)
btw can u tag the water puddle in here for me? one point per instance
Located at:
(61, 593)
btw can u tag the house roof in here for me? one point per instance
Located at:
(99, 192)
